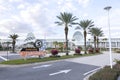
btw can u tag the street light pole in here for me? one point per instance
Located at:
(108, 9)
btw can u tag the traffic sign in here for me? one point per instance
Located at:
(38, 44)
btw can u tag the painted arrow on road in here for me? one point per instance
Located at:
(61, 71)
(42, 66)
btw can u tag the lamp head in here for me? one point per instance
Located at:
(107, 8)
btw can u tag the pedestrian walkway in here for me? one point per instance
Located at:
(97, 60)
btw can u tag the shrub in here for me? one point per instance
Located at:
(90, 50)
(77, 51)
(97, 50)
(105, 74)
(117, 51)
(54, 52)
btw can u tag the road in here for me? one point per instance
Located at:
(60, 70)
(10, 57)
(69, 69)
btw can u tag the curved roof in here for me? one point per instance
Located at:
(30, 36)
(77, 28)
(78, 36)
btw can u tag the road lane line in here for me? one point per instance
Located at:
(42, 66)
(3, 58)
(92, 71)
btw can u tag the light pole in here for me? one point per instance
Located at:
(108, 9)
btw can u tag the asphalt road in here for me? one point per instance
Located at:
(60, 70)
(10, 57)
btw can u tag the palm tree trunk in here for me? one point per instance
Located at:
(66, 34)
(94, 43)
(13, 46)
(97, 42)
(85, 41)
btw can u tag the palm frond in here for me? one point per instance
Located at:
(66, 18)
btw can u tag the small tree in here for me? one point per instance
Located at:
(55, 43)
(14, 38)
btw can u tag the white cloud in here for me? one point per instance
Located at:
(38, 16)
(16, 0)
(84, 3)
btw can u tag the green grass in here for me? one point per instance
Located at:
(34, 60)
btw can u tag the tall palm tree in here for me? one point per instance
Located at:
(14, 38)
(85, 25)
(66, 19)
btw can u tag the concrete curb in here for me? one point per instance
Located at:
(87, 77)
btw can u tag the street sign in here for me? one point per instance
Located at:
(38, 44)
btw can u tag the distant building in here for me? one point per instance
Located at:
(78, 38)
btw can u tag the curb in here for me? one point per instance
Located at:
(93, 72)
(87, 77)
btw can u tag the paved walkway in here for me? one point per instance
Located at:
(98, 60)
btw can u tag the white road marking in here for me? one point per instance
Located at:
(42, 66)
(3, 58)
(61, 71)
(92, 71)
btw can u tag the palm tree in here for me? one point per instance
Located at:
(66, 19)
(85, 25)
(93, 32)
(99, 34)
(96, 33)
(14, 38)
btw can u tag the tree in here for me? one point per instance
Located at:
(55, 43)
(14, 38)
(99, 34)
(66, 19)
(96, 33)
(61, 45)
(85, 25)
(93, 32)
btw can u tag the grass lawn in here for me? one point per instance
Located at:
(34, 60)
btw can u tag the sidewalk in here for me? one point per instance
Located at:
(97, 60)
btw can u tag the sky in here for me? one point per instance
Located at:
(39, 16)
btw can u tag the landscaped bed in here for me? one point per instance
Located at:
(107, 73)
(34, 60)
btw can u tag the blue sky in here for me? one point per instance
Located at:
(38, 16)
